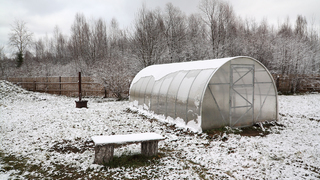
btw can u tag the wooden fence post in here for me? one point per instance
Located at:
(34, 86)
(60, 85)
(105, 92)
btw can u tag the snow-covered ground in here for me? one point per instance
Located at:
(53, 139)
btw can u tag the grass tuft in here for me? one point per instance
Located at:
(134, 161)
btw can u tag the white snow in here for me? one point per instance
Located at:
(119, 139)
(41, 128)
(194, 126)
(161, 70)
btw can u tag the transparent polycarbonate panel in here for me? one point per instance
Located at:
(132, 93)
(268, 111)
(263, 89)
(242, 74)
(262, 76)
(265, 96)
(148, 92)
(172, 93)
(195, 94)
(155, 95)
(222, 75)
(241, 94)
(163, 93)
(183, 92)
(241, 107)
(221, 97)
(265, 102)
(242, 61)
(241, 117)
(136, 90)
(143, 88)
(215, 105)
(211, 115)
(258, 67)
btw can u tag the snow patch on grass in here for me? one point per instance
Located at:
(54, 140)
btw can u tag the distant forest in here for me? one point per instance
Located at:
(113, 56)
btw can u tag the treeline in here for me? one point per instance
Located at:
(101, 49)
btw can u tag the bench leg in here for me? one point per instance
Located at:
(149, 148)
(103, 153)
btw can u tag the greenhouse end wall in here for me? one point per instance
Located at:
(233, 92)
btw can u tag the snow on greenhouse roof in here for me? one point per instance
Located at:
(161, 70)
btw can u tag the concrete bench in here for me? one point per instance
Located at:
(104, 145)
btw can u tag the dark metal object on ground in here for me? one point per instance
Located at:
(81, 103)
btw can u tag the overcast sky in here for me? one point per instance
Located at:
(42, 16)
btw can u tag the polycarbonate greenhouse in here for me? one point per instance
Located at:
(235, 92)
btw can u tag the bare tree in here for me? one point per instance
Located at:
(283, 48)
(59, 43)
(2, 62)
(175, 33)
(114, 55)
(219, 17)
(39, 50)
(148, 43)
(197, 46)
(115, 76)
(99, 39)
(20, 38)
(315, 50)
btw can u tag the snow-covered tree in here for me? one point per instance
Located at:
(148, 41)
(175, 33)
(20, 38)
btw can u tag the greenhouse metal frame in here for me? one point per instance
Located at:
(235, 92)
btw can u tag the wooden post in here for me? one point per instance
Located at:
(60, 85)
(105, 92)
(79, 86)
(149, 148)
(103, 154)
(80, 103)
(34, 86)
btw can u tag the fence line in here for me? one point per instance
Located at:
(304, 83)
(69, 85)
(62, 85)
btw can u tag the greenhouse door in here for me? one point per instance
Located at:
(241, 95)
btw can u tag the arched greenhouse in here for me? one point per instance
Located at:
(235, 92)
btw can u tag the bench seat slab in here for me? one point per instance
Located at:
(129, 138)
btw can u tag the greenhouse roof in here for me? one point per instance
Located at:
(161, 70)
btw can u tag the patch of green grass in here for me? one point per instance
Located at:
(134, 161)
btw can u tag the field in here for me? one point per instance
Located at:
(45, 136)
